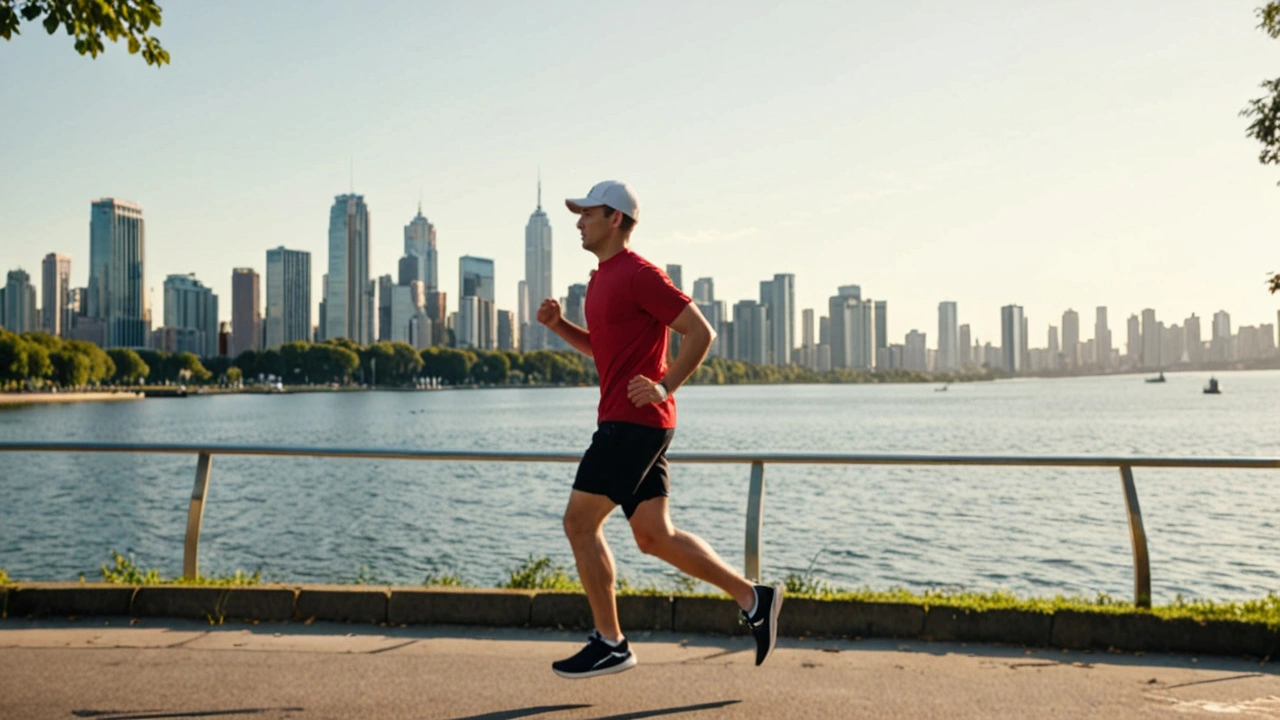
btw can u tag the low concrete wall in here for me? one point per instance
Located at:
(520, 608)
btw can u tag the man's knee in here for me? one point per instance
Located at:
(651, 541)
(579, 525)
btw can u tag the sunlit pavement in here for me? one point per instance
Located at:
(110, 669)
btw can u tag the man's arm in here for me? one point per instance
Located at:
(696, 336)
(549, 314)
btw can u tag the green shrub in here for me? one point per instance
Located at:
(540, 574)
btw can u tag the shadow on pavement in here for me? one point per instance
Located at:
(523, 712)
(637, 715)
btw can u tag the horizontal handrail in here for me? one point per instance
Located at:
(1256, 463)
(755, 497)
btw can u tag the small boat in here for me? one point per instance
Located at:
(1157, 379)
(1212, 387)
(941, 389)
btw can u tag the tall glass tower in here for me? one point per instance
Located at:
(117, 278)
(537, 270)
(349, 309)
(420, 247)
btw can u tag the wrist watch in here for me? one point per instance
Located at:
(666, 391)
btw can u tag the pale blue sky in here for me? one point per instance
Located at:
(1052, 154)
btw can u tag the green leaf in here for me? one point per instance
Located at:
(134, 45)
(50, 24)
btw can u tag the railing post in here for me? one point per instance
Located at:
(191, 550)
(1138, 537)
(755, 519)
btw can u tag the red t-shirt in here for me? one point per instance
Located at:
(630, 302)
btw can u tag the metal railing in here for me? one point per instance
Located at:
(755, 496)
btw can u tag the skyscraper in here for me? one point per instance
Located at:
(420, 249)
(1220, 343)
(55, 291)
(676, 273)
(349, 310)
(19, 303)
(882, 325)
(288, 297)
(1195, 347)
(575, 310)
(1133, 341)
(948, 337)
(1011, 338)
(1151, 340)
(1054, 348)
(704, 290)
(779, 297)
(1071, 337)
(246, 318)
(751, 332)
(537, 271)
(191, 311)
(476, 279)
(966, 349)
(117, 277)
(852, 329)
(915, 356)
(1102, 338)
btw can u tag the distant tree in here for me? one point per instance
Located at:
(216, 365)
(130, 368)
(89, 21)
(1265, 111)
(101, 367)
(492, 368)
(13, 358)
(188, 365)
(71, 369)
(233, 375)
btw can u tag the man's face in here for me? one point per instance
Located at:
(594, 227)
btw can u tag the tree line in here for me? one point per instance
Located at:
(36, 360)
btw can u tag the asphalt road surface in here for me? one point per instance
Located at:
(110, 669)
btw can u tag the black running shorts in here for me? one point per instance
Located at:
(626, 463)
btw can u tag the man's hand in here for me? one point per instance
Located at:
(549, 313)
(643, 391)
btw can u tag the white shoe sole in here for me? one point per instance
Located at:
(627, 664)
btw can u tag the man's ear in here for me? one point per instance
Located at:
(615, 220)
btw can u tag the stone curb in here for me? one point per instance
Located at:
(1011, 627)
(801, 617)
(343, 603)
(1136, 632)
(449, 606)
(68, 599)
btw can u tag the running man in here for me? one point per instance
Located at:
(629, 306)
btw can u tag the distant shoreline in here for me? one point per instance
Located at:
(65, 397)
(45, 398)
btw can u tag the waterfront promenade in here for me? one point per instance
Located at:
(110, 669)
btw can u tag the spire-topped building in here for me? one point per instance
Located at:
(537, 274)
(420, 249)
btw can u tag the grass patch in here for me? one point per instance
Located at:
(446, 579)
(540, 574)
(124, 571)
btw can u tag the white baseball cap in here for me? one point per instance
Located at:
(612, 193)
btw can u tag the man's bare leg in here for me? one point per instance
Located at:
(584, 525)
(655, 535)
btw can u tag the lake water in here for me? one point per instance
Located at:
(1212, 533)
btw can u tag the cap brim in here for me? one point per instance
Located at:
(576, 206)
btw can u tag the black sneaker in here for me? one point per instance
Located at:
(764, 624)
(597, 658)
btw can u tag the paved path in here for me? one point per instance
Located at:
(111, 670)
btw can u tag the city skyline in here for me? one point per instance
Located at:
(858, 339)
(1097, 188)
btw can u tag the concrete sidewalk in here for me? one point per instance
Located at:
(110, 669)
